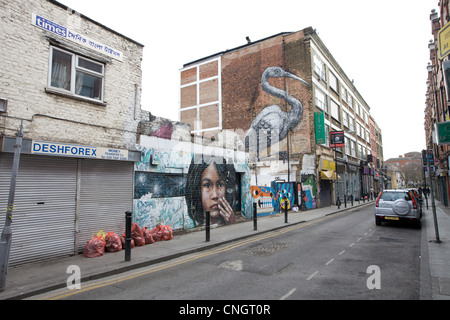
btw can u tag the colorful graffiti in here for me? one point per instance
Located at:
(262, 196)
(165, 185)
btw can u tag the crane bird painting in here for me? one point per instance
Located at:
(273, 124)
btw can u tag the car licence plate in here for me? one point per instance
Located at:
(391, 218)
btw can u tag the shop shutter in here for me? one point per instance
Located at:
(106, 192)
(43, 220)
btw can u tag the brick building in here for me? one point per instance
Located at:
(76, 86)
(257, 90)
(437, 100)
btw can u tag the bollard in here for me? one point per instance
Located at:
(351, 198)
(255, 217)
(338, 203)
(208, 225)
(128, 217)
(285, 210)
(345, 201)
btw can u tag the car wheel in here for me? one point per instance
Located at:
(377, 221)
(418, 224)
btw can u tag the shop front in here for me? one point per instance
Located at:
(64, 195)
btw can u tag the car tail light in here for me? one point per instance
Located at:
(378, 199)
(413, 201)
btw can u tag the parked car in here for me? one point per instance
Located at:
(419, 198)
(396, 205)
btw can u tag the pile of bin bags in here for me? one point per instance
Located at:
(111, 242)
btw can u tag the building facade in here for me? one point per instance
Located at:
(76, 87)
(437, 102)
(283, 96)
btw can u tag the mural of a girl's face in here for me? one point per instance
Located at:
(213, 188)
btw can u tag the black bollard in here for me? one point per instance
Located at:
(208, 225)
(128, 217)
(285, 210)
(255, 217)
(351, 198)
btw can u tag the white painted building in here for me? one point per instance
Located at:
(76, 86)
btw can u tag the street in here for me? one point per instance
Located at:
(342, 256)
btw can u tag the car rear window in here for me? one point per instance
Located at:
(392, 196)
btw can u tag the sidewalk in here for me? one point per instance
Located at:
(31, 279)
(435, 273)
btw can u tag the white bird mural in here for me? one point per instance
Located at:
(272, 120)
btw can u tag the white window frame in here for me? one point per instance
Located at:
(335, 110)
(334, 83)
(321, 103)
(74, 68)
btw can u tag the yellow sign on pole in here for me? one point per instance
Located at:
(444, 41)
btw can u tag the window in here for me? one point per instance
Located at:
(321, 100)
(76, 75)
(351, 124)
(335, 111)
(345, 118)
(353, 148)
(350, 100)
(334, 83)
(319, 67)
(347, 145)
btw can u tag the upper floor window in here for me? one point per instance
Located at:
(321, 100)
(334, 82)
(76, 74)
(319, 67)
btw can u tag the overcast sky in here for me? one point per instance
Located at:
(382, 45)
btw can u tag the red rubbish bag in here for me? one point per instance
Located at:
(137, 235)
(162, 233)
(95, 247)
(113, 242)
(147, 236)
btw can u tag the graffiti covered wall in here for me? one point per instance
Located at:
(173, 180)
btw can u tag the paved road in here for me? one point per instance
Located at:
(335, 257)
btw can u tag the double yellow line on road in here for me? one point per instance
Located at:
(148, 270)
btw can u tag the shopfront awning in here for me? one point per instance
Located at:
(328, 175)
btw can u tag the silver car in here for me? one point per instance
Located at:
(397, 205)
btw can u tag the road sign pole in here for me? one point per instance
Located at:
(433, 204)
(6, 237)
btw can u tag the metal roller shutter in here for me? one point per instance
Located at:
(106, 192)
(43, 221)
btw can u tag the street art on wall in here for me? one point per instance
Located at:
(211, 187)
(307, 188)
(262, 196)
(272, 124)
(171, 179)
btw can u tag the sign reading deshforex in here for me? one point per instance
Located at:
(71, 150)
(80, 39)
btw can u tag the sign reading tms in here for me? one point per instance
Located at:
(70, 150)
(73, 36)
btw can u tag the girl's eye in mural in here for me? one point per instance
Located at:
(206, 184)
(220, 184)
